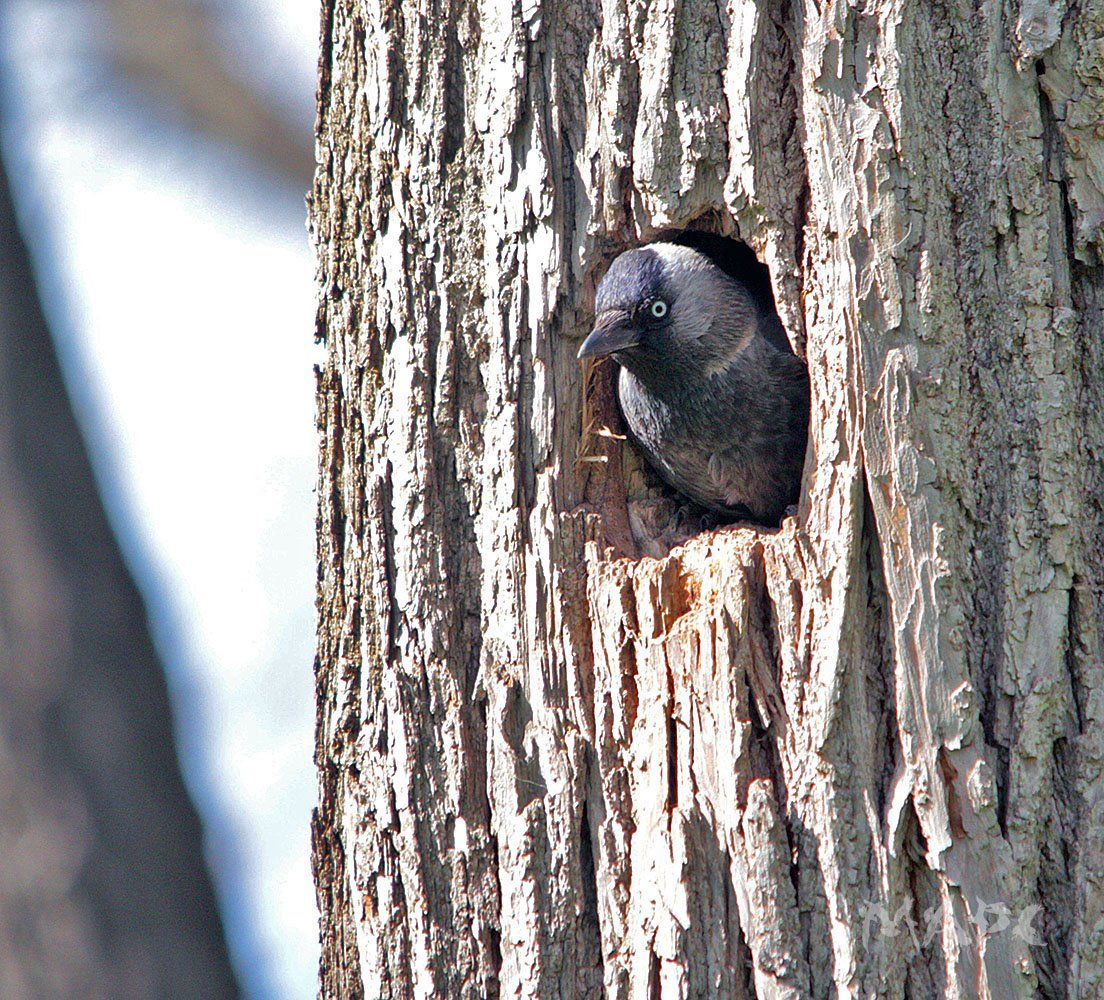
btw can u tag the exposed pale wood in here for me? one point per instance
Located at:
(561, 760)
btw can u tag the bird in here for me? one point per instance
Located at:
(709, 387)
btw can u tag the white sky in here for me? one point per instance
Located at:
(181, 294)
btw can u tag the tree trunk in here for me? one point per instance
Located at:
(104, 893)
(857, 756)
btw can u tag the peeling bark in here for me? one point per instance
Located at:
(561, 757)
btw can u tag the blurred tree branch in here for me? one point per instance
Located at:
(104, 892)
(172, 46)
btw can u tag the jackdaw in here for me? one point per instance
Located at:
(709, 387)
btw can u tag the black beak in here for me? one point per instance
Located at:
(614, 331)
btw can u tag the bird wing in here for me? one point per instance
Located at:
(758, 467)
(749, 477)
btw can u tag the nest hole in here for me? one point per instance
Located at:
(642, 514)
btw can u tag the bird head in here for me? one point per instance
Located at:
(663, 306)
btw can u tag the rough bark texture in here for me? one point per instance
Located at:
(104, 893)
(847, 758)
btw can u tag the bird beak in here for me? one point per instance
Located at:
(614, 331)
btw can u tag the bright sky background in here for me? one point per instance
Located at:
(179, 286)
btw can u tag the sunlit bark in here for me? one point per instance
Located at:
(553, 767)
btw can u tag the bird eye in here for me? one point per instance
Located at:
(659, 309)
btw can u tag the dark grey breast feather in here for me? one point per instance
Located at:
(759, 467)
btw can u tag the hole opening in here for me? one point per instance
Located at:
(658, 515)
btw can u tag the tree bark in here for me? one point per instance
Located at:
(857, 756)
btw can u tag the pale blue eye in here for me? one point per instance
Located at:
(659, 309)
